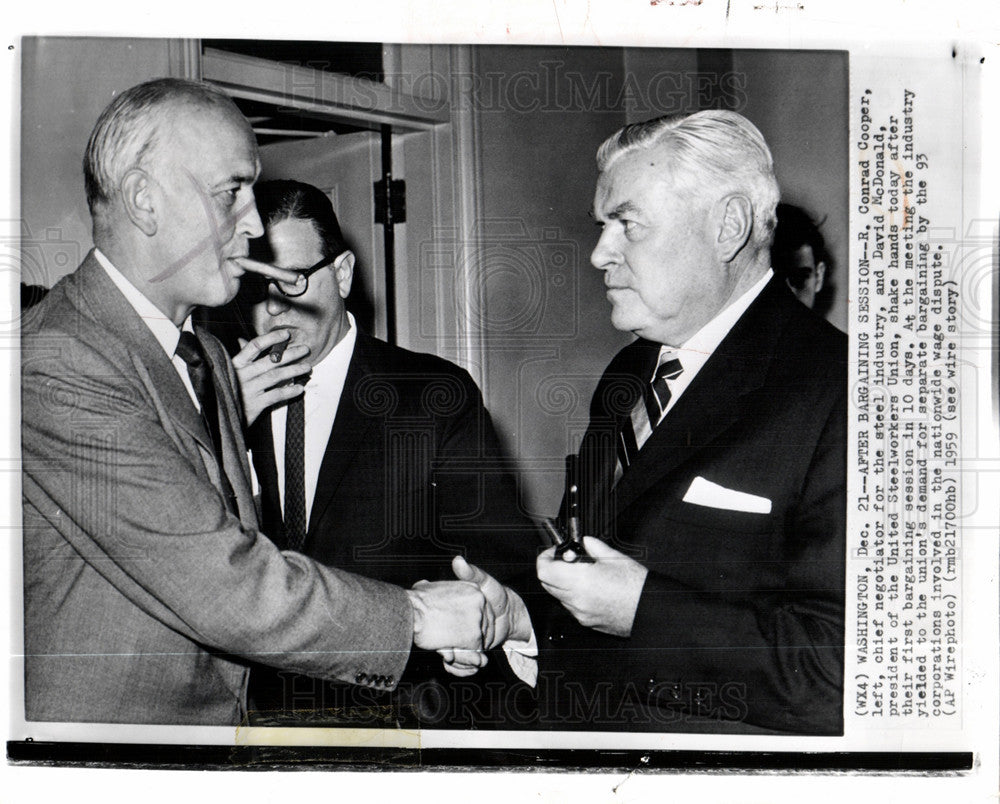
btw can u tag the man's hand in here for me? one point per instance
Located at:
(450, 614)
(264, 381)
(603, 595)
(511, 620)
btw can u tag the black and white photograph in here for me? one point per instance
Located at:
(427, 404)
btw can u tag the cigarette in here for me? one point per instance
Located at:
(277, 351)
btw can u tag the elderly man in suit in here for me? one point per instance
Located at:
(712, 473)
(378, 460)
(147, 585)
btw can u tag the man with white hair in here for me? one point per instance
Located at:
(712, 474)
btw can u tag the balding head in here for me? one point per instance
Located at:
(129, 130)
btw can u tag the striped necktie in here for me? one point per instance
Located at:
(648, 411)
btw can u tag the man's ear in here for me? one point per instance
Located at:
(820, 275)
(735, 227)
(137, 198)
(343, 270)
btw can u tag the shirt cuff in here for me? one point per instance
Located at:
(522, 655)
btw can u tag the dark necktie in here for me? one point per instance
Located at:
(295, 473)
(190, 351)
(647, 412)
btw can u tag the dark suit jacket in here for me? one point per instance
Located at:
(740, 622)
(413, 474)
(143, 595)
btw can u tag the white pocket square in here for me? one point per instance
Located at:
(712, 495)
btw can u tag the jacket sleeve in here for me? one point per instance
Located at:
(107, 474)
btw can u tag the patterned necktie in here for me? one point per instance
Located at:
(647, 412)
(190, 351)
(295, 474)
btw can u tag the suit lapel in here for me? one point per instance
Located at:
(233, 447)
(349, 432)
(616, 395)
(113, 311)
(715, 399)
(261, 443)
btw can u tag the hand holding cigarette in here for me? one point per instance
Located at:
(268, 380)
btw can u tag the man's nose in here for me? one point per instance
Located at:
(249, 223)
(605, 252)
(276, 302)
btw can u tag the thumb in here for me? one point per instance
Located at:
(243, 342)
(463, 571)
(599, 549)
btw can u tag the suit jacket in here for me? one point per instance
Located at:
(144, 596)
(413, 474)
(740, 622)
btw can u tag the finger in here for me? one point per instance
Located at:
(600, 549)
(461, 569)
(460, 670)
(559, 593)
(488, 625)
(469, 658)
(265, 374)
(271, 375)
(282, 393)
(251, 350)
(557, 572)
(270, 271)
(448, 654)
(468, 572)
(547, 556)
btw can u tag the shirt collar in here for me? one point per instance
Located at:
(164, 330)
(694, 353)
(332, 368)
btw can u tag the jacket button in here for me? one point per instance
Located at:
(360, 678)
(389, 681)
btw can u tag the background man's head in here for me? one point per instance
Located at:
(798, 254)
(686, 205)
(301, 232)
(169, 170)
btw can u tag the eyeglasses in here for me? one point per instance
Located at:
(256, 287)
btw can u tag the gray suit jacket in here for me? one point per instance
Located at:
(143, 595)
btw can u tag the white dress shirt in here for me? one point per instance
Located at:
(163, 329)
(696, 350)
(322, 399)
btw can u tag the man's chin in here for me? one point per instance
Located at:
(620, 319)
(229, 287)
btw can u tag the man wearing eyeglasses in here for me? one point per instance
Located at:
(377, 460)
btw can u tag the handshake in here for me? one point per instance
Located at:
(462, 619)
